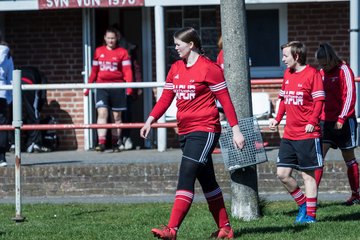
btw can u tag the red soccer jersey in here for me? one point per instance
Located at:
(339, 86)
(299, 91)
(195, 89)
(111, 66)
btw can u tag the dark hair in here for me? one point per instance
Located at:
(189, 34)
(298, 49)
(326, 52)
(115, 31)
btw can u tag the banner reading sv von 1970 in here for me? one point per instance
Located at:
(61, 4)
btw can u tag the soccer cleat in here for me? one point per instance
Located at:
(12, 148)
(164, 232)
(301, 214)
(128, 145)
(307, 219)
(223, 233)
(40, 149)
(100, 148)
(352, 200)
(3, 163)
(116, 148)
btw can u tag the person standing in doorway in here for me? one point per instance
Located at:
(196, 82)
(338, 120)
(302, 96)
(111, 64)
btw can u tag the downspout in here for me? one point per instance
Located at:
(160, 68)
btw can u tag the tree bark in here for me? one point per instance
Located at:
(244, 187)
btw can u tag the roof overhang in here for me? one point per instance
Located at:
(22, 5)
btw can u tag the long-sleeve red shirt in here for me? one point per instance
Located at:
(339, 86)
(196, 88)
(111, 66)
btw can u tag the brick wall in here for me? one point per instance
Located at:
(314, 23)
(52, 41)
(142, 179)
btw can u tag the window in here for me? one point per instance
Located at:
(202, 18)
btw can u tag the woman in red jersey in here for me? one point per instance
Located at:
(302, 97)
(338, 120)
(196, 82)
(111, 64)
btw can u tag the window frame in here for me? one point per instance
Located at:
(273, 71)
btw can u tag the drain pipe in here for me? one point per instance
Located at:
(17, 123)
(354, 46)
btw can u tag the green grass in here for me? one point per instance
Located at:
(134, 221)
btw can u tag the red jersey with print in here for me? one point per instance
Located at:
(196, 88)
(339, 86)
(299, 91)
(111, 65)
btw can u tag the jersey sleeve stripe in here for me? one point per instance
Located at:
(169, 86)
(349, 92)
(126, 63)
(281, 93)
(218, 87)
(318, 94)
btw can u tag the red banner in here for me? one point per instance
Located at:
(61, 4)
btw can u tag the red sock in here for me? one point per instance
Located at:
(298, 196)
(318, 175)
(353, 176)
(217, 208)
(311, 207)
(182, 204)
(102, 140)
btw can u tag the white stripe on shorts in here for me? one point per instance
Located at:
(209, 143)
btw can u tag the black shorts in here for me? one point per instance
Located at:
(344, 138)
(300, 154)
(198, 146)
(114, 98)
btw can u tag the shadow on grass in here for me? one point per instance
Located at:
(329, 204)
(89, 212)
(257, 230)
(342, 218)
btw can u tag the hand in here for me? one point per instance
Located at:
(129, 91)
(238, 138)
(309, 128)
(338, 125)
(272, 125)
(86, 92)
(144, 131)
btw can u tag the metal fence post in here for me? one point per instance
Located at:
(17, 123)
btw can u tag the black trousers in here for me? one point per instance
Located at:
(3, 121)
(30, 101)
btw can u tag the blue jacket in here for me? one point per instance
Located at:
(6, 71)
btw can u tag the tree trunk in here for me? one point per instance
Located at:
(244, 187)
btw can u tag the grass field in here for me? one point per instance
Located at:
(134, 221)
